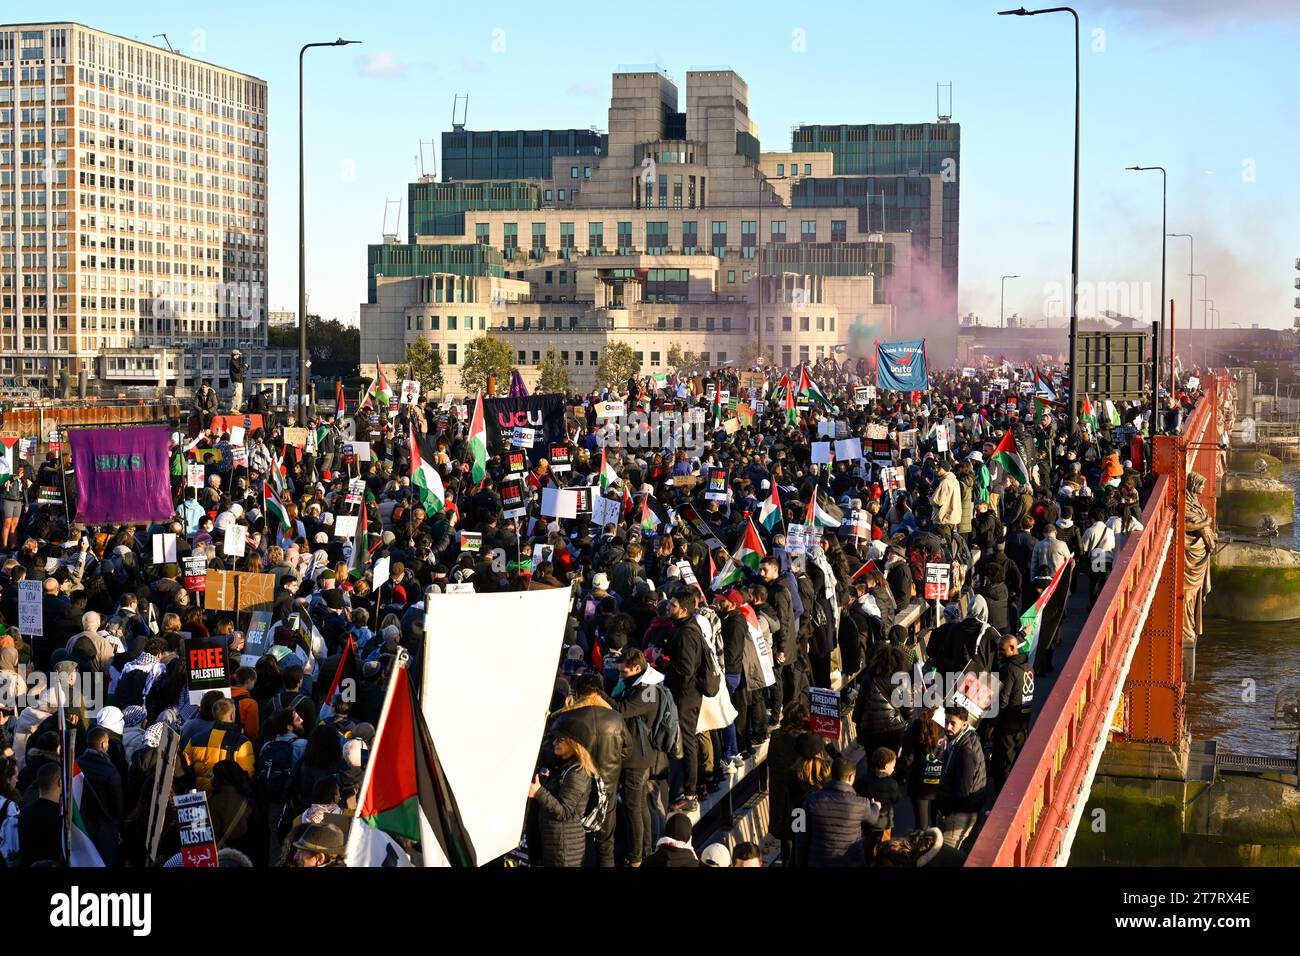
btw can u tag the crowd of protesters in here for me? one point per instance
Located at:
(667, 686)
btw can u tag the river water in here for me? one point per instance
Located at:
(1240, 669)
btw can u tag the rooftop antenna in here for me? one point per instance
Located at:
(165, 40)
(943, 117)
(390, 238)
(464, 114)
(433, 156)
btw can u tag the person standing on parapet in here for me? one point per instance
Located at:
(238, 369)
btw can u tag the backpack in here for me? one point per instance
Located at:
(710, 682)
(275, 771)
(665, 731)
(9, 834)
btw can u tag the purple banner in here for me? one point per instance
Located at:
(122, 474)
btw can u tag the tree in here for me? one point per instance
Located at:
(750, 352)
(486, 357)
(685, 365)
(618, 363)
(423, 365)
(553, 377)
(334, 348)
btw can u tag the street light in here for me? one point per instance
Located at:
(1074, 248)
(1002, 309)
(304, 387)
(1208, 305)
(1206, 288)
(1191, 267)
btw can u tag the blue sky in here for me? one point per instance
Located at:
(1206, 93)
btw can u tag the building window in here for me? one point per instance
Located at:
(832, 323)
(595, 238)
(803, 354)
(839, 230)
(656, 238)
(577, 357)
(451, 353)
(778, 230)
(451, 323)
(769, 324)
(785, 324)
(663, 191)
(695, 323)
(419, 323)
(483, 233)
(624, 238)
(510, 322)
(808, 230)
(720, 238)
(548, 195)
(821, 323)
(537, 357)
(520, 359)
(807, 169)
(564, 276)
(677, 323)
(677, 192)
(564, 357)
(744, 276)
(640, 358)
(511, 238)
(663, 322)
(722, 358)
(566, 239)
(803, 323)
(748, 238)
(573, 172)
(435, 322)
(690, 238)
(586, 172)
(654, 359)
(780, 169)
(704, 357)
(561, 195)
(548, 276)
(709, 323)
(539, 239)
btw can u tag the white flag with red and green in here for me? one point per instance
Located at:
(1031, 622)
(769, 515)
(808, 390)
(274, 509)
(424, 476)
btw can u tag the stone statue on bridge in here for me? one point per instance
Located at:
(1199, 542)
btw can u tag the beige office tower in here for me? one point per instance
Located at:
(672, 232)
(133, 213)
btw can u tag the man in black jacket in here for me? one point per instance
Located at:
(836, 816)
(735, 635)
(963, 786)
(40, 823)
(786, 639)
(102, 806)
(205, 405)
(686, 670)
(238, 370)
(1015, 704)
(592, 718)
(638, 704)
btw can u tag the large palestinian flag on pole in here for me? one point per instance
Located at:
(608, 476)
(274, 509)
(750, 553)
(769, 515)
(81, 851)
(823, 514)
(405, 791)
(791, 413)
(1044, 615)
(424, 477)
(808, 389)
(340, 403)
(1009, 458)
(360, 547)
(478, 442)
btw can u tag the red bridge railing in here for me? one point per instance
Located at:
(1032, 817)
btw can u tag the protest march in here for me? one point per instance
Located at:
(551, 630)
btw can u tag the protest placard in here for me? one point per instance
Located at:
(825, 429)
(517, 462)
(561, 459)
(877, 430)
(236, 435)
(731, 426)
(847, 449)
(196, 573)
(31, 610)
(605, 511)
(513, 503)
(584, 494)
(198, 848)
(410, 392)
(205, 660)
(559, 502)
(821, 453)
(296, 437)
(610, 409)
(164, 548)
(360, 450)
(239, 456)
(521, 437)
(345, 526)
(219, 590)
(257, 639)
(717, 485)
(824, 713)
(356, 491)
(194, 473)
(937, 580)
(471, 540)
(232, 544)
(380, 572)
(685, 483)
(254, 591)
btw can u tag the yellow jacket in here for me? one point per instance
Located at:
(223, 742)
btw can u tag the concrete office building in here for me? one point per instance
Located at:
(679, 230)
(132, 214)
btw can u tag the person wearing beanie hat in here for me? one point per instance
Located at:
(674, 847)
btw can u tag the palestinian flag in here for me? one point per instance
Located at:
(1008, 456)
(1088, 414)
(274, 509)
(7, 454)
(1112, 413)
(808, 390)
(404, 787)
(628, 503)
(751, 552)
(348, 669)
(1043, 388)
(424, 477)
(478, 442)
(81, 851)
(608, 476)
(340, 402)
(769, 515)
(649, 520)
(864, 570)
(360, 547)
(780, 387)
(823, 515)
(791, 413)
(1041, 408)
(1047, 610)
(379, 389)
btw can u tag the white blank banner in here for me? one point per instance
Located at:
(489, 749)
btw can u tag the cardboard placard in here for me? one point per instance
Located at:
(345, 526)
(297, 437)
(31, 610)
(559, 502)
(847, 449)
(685, 483)
(877, 430)
(379, 572)
(198, 846)
(254, 591)
(824, 713)
(219, 590)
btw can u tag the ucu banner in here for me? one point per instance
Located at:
(542, 412)
(901, 366)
